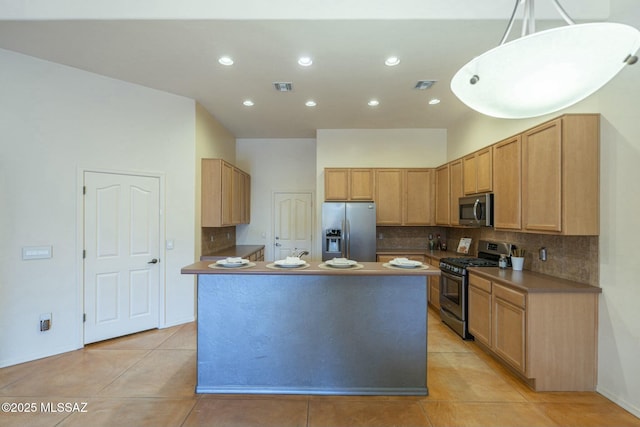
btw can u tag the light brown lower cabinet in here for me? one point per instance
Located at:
(480, 309)
(434, 285)
(257, 255)
(549, 339)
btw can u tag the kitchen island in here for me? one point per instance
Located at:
(312, 329)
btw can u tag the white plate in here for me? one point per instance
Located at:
(405, 263)
(340, 263)
(232, 262)
(290, 262)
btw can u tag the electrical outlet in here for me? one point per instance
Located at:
(45, 322)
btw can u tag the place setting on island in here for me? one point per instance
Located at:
(343, 263)
(232, 262)
(292, 262)
(405, 263)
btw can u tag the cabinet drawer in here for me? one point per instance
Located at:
(506, 294)
(480, 283)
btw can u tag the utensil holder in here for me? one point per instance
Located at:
(517, 263)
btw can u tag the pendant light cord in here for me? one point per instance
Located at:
(563, 13)
(510, 25)
(529, 19)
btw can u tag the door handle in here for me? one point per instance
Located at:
(475, 210)
(278, 244)
(154, 261)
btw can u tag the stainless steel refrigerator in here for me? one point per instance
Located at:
(349, 230)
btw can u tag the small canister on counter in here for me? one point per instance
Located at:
(502, 262)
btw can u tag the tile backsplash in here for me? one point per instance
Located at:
(568, 257)
(216, 238)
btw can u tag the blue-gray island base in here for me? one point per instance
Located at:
(312, 331)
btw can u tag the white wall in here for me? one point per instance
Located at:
(213, 141)
(274, 165)
(619, 317)
(56, 121)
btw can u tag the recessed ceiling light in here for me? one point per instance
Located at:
(248, 103)
(305, 61)
(373, 103)
(392, 61)
(310, 103)
(434, 101)
(225, 60)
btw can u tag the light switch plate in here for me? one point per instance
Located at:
(36, 252)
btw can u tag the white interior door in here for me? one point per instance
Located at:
(122, 247)
(293, 219)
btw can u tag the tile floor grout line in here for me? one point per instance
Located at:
(148, 352)
(186, 417)
(169, 336)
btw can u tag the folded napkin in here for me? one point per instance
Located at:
(292, 260)
(234, 260)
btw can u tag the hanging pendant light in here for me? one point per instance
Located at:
(543, 72)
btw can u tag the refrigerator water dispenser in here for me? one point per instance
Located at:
(333, 241)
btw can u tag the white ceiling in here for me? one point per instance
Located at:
(180, 56)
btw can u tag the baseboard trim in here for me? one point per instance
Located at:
(620, 402)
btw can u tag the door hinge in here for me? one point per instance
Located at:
(84, 317)
(84, 253)
(84, 189)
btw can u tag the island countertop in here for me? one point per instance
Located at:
(314, 268)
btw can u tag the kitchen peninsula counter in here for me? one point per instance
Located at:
(533, 282)
(242, 251)
(312, 330)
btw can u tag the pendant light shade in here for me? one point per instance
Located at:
(544, 72)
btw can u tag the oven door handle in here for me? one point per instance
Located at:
(451, 276)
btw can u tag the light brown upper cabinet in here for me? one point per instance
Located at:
(456, 190)
(225, 194)
(404, 196)
(478, 172)
(389, 195)
(348, 184)
(419, 200)
(443, 200)
(507, 179)
(241, 197)
(560, 176)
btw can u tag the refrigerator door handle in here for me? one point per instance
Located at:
(347, 244)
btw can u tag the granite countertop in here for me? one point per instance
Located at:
(241, 251)
(530, 281)
(314, 268)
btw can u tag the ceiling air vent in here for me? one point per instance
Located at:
(424, 84)
(283, 86)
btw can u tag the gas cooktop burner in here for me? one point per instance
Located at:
(470, 262)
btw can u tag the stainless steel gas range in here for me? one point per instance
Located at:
(454, 283)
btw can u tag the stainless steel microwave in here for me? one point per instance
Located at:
(476, 210)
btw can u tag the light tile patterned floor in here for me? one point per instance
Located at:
(148, 379)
